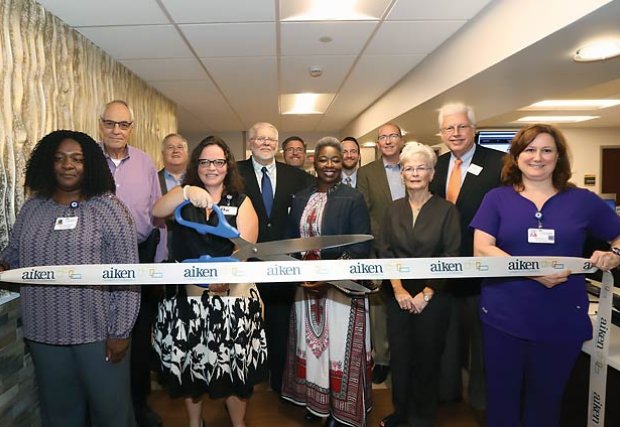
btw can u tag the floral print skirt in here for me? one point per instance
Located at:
(213, 344)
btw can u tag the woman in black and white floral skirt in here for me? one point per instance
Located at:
(211, 341)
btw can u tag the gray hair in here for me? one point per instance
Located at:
(412, 149)
(256, 126)
(456, 108)
(172, 135)
(327, 141)
(117, 101)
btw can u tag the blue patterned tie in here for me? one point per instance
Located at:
(267, 190)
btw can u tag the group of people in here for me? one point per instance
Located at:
(102, 203)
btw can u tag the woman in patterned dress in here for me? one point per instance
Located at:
(328, 357)
(211, 341)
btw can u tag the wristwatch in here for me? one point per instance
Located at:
(427, 297)
(616, 251)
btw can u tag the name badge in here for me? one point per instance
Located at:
(66, 223)
(229, 210)
(475, 169)
(541, 235)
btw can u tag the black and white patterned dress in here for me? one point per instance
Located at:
(212, 344)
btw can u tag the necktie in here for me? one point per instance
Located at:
(454, 183)
(267, 190)
(347, 181)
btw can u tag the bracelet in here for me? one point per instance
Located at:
(615, 251)
(185, 192)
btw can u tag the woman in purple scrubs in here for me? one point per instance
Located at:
(534, 328)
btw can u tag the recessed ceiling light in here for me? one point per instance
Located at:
(331, 10)
(555, 119)
(598, 51)
(572, 104)
(305, 103)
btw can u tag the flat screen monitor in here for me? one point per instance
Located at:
(496, 139)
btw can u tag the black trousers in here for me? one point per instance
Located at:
(416, 345)
(141, 335)
(277, 299)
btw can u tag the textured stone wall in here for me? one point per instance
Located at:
(51, 78)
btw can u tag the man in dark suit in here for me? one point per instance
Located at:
(175, 154)
(463, 176)
(271, 185)
(380, 183)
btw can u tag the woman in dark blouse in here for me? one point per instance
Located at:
(419, 225)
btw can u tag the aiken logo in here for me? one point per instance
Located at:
(38, 275)
(117, 273)
(442, 266)
(200, 272)
(281, 270)
(361, 268)
(520, 265)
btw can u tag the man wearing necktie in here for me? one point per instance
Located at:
(463, 176)
(350, 160)
(270, 185)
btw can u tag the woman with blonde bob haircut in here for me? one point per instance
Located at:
(418, 310)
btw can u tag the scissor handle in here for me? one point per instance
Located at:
(223, 228)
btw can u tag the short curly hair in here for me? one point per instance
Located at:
(40, 178)
(511, 174)
(233, 183)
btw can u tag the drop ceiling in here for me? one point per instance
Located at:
(226, 62)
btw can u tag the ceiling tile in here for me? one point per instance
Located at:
(138, 42)
(203, 100)
(401, 37)
(110, 12)
(217, 40)
(359, 92)
(299, 124)
(436, 9)
(249, 83)
(295, 73)
(192, 11)
(166, 69)
(302, 38)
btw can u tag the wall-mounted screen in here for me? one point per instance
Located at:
(496, 139)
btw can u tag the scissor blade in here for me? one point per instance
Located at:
(291, 246)
(351, 287)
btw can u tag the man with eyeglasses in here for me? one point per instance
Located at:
(380, 183)
(271, 186)
(350, 160)
(138, 188)
(294, 151)
(463, 176)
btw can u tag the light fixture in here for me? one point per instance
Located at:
(305, 103)
(572, 104)
(555, 119)
(332, 10)
(598, 51)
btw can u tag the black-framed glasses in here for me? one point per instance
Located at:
(391, 137)
(218, 163)
(451, 129)
(111, 124)
(294, 150)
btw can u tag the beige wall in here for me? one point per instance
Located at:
(585, 146)
(52, 78)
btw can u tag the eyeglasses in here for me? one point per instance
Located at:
(111, 124)
(218, 163)
(451, 129)
(409, 170)
(391, 137)
(263, 139)
(294, 150)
